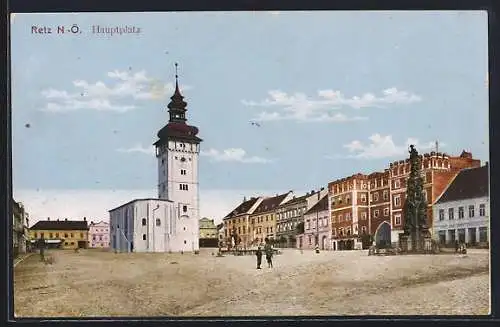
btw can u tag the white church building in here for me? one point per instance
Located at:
(169, 223)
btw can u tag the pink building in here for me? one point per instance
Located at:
(99, 235)
(317, 227)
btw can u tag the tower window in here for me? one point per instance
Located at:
(143, 237)
(183, 171)
(183, 187)
(184, 208)
(158, 222)
(162, 161)
(143, 221)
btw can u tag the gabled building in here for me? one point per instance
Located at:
(63, 234)
(263, 219)
(317, 226)
(237, 229)
(291, 213)
(462, 211)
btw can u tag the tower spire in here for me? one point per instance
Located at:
(176, 78)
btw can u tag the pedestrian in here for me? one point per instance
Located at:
(456, 246)
(258, 253)
(269, 254)
(41, 245)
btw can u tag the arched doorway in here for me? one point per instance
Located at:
(383, 235)
(323, 243)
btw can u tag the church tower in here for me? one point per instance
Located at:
(177, 151)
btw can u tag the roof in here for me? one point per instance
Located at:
(271, 203)
(60, 225)
(242, 208)
(296, 200)
(135, 200)
(321, 205)
(468, 184)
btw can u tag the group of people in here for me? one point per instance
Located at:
(268, 249)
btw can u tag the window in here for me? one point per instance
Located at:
(397, 201)
(460, 212)
(271, 229)
(183, 171)
(363, 216)
(397, 183)
(143, 221)
(158, 222)
(333, 219)
(65, 235)
(482, 210)
(450, 214)
(348, 231)
(341, 218)
(51, 235)
(363, 198)
(347, 199)
(100, 238)
(363, 230)
(375, 196)
(57, 235)
(143, 237)
(307, 224)
(36, 235)
(162, 161)
(184, 241)
(441, 214)
(71, 235)
(385, 195)
(471, 211)
(348, 216)
(184, 208)
(183, 187)
(376, 213)
(386, 212)
(397, 220)
(81, 235)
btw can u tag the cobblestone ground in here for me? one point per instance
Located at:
(96, 283)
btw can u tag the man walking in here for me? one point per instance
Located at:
(269, 254)
(258, 253)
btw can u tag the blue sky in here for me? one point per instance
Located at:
(333, 93)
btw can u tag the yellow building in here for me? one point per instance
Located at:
(237, 225)
(263, 219)
(62, 234)
(208, 228)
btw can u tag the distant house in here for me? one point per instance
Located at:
(462, 211)
(317, 226)
(208, 233)
(63, 234)
(99, 235)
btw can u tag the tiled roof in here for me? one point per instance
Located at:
(242, 208)
(321, 205)
(271, 203)
(60, 225)
(468, 184)
(295, 200)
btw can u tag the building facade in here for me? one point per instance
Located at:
(379, 213)
(207, 228)
(177, 153)
(317, 226)
(462, 211)
(237, 226)
(61, 234)
(263, 219)
(99, 235)
(291, 213)
(348, 203)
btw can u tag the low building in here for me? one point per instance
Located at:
(62, 234)
(317, 227)
(208, 233)
(462, 211)
(153, 225)
(99, 235)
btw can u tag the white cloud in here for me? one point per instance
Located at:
(123, 86)
(233, 155)
(300, 107)
(383, 147)
(94, 204)
(138, 149)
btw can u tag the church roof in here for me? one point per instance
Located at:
(470, 183)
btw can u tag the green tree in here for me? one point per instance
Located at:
(415, 206)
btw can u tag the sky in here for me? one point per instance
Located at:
(283, 100)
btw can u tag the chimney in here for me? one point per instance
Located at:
(48, 218)
(84, 218)
(65, 219)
